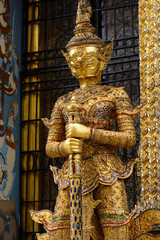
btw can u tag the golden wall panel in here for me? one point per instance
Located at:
(149, 153)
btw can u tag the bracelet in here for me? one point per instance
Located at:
(91, 132)
(95, 134)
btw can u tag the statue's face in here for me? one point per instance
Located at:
(84, 61)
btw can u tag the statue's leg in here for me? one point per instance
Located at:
(61, 220)
(113, 210)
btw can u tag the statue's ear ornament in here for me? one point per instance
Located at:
(108, 51)
(66, 55)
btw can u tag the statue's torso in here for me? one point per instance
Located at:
(100, 164)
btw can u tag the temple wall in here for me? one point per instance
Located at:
(10, 52)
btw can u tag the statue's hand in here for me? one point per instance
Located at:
(77, 130)
(70, 146)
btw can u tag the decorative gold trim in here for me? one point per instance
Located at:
(149, 153)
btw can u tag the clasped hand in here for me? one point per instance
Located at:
(76, 130)
(74, 133)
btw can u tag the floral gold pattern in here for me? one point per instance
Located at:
(149, 85)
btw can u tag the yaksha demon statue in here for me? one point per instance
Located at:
(81, 128)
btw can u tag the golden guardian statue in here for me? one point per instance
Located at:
(92, 201)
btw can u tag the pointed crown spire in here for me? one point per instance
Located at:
(83, 18)
(84, 31)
